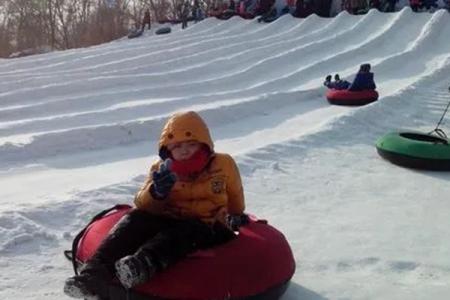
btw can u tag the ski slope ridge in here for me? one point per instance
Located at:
(295, 68)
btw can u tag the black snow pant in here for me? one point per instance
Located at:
(149, 26)
(162, 239)
(184, 23)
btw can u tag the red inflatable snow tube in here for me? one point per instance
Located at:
(257, 265)
(346, 97)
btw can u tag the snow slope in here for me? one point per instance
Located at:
(78, 131)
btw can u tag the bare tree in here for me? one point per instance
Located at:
(64, 24)
(51, 22)
(26, 21)
(109, 21)
(5, 34)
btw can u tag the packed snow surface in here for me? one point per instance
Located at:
(79, 128)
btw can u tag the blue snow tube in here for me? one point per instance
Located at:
(135, 33)
(163, 30)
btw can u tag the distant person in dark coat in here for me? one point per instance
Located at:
(197, 12)
(232, 5)
(391, 5)
(363, 79)
(375, 4)
(269, 16)
(146, 20)
(184, 15)
(415, 5)
(428, 4)
(322, 8)
(264, 7)
(228, 12)
(304, 8)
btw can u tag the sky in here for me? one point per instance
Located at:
(79, 130)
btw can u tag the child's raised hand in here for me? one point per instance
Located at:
(163, 180)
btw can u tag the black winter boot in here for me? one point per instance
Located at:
(81, 286)
(133, 270)
(91, 283)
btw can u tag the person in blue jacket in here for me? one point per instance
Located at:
(363, 79)
(337, 84)
(328, 82)
(340, 84)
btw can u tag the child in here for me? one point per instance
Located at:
(340, 84)
(188, 202)
(337, 84)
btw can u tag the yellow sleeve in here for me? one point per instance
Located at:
(235, 190)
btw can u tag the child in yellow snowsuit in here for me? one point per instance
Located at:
(189, 201)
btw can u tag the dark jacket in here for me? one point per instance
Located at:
(363, 81)
(146, 19)
(232, 6)
(303, 8)
(264, 6)
(341, 85)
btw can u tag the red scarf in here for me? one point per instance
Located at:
(191, 166)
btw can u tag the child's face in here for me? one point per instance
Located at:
(183, 150)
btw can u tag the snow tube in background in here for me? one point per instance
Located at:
(415, 150)
(163, 30)
(258, 264)
(135, 33)
(346, 97)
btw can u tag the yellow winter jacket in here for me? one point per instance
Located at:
(214, 193)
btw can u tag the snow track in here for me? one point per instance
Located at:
(93, 97)
(98, 112)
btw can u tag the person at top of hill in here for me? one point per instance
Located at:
(303, 8)
(389, 5)
(229, 11)
(269, 15)
(264, 6)
(247, 8)
(375, 4)
(217, 10)
(322, 8)
(146, 20)
(192, 199)
(415, 5)
(430, 4)
(358, 6)
(288, 8)
(337, 84)
(197, 12)
(232, 5)
(184, 11)
(363, 79)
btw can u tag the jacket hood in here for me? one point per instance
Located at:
(183, 127)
